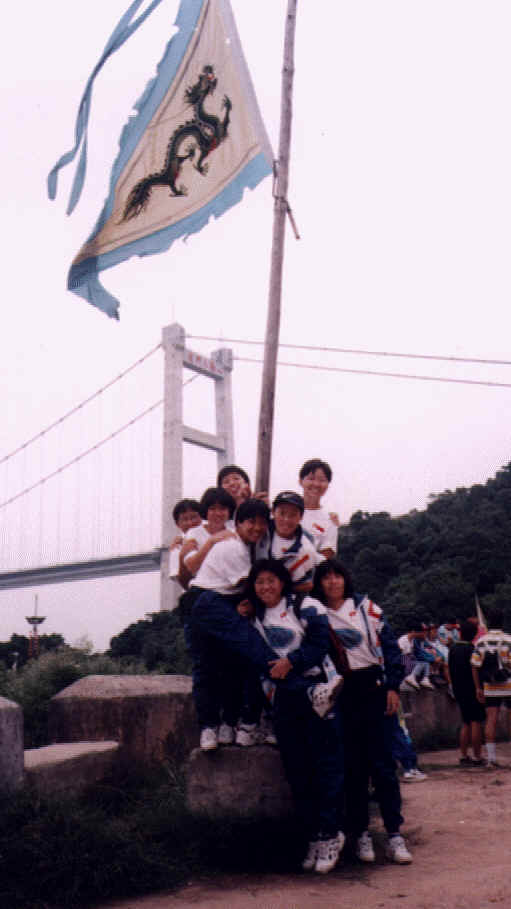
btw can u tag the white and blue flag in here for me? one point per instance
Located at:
(196, 143)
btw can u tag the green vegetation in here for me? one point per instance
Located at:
(432, 563)
(158, 642)
(125, 838)
(33, 686)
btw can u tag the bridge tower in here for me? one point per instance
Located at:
(217, 367)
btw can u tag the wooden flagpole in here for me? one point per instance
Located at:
(281, 209)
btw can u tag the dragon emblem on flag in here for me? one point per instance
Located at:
(206, 132)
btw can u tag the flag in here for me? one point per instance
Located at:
(480, 615)
(196, 143)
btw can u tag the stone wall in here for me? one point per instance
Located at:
(11, 745)
(151, 717)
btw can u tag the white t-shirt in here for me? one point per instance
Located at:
(405, 644)
(200, 535)
(348, 622)
(225, 568)
(322, 529)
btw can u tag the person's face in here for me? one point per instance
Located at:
(252, 529)
(236, 486)
(287, 518)
(188, 519)
(217, 517)
(332, 586)
(268, 588)
(314, 485)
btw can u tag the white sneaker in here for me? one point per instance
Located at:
(397, 851)
(412, 681)
(324, 694)
(208, 739)
(364, 849)
(414, 776)
(246, 734)
(309, 862)
(265, 733)
(225, 734)
(425, 683)
(327, 855)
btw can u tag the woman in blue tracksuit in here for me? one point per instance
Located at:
(296, 629)
(370, 693)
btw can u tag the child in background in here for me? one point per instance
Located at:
(473, 714)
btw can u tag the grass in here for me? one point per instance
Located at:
(127, 837)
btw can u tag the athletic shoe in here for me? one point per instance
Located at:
(492, 765)
(364, 849)
(225, 734)
(309, 862)
(412, 681)
(246, 734)
(425, 683)
(324, 694)
(208, 739)
(414, 775)
(468, 762)
(327, 856)
(397, 851)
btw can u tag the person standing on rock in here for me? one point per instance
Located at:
(370, 694)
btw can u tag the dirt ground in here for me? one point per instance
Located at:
(458, 825)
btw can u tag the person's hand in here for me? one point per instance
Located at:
(187, 547)
(280, 668)
(245, 609)
(480, 695)
(263, 496)
(175, 543)
(334, 517)
(392, 703)
(222, 535)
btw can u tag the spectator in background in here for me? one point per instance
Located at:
(439, 669)
(417, 661)
(491, 669)
(401, 745)
(448, 633)
(472, 711)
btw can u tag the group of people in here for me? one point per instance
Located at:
(425, 650)
(284, 650)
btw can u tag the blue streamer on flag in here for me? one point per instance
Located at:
(196, 143)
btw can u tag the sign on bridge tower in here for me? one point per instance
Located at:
(217, 367)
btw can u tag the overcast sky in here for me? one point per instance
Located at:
(400, 185)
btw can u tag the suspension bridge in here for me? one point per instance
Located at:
(91, 494)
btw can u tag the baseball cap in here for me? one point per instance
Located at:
(289, 498)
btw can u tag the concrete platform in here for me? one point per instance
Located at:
(69, 767)
(237, 782)
(151, 716)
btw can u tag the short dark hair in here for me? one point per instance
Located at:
(276, 567)
(331, 566)
(231, 468)
(215, 495)
(185, 505)
(468, 630)
(251, 508)
(315, 464)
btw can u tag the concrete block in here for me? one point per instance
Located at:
(151, 716)
(237, 782)
(68, 768)
(433, 718)
(11, 745)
